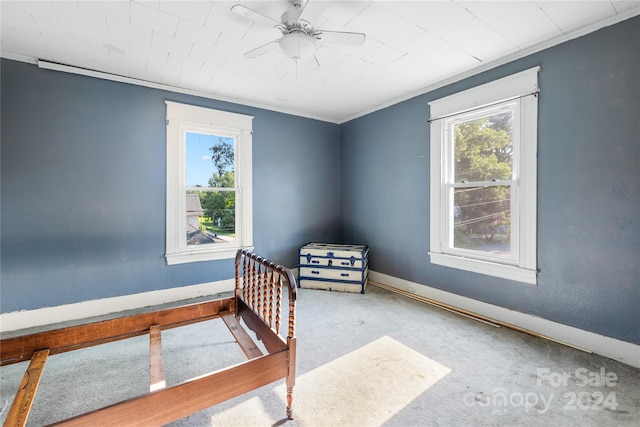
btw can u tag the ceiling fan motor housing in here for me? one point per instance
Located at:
(298, 45)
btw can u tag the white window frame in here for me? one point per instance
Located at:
(183, 118)
(520, 91)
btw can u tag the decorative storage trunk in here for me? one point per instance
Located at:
(333, 267)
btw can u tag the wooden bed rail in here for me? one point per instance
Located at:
(21, 348)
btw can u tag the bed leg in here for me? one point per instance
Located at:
(289, 401)
(291, 377)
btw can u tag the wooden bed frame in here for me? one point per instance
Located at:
(257, 302)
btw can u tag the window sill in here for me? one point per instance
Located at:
(196, 256)
(511, 272)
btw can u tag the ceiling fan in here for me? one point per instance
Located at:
(300, 40)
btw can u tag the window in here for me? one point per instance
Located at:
(209, 212)
(483, 178)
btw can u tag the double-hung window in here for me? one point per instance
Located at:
(209, 182)
(483, 178)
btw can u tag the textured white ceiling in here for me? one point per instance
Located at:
(198, 45)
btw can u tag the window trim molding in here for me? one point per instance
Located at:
(514, 87)
(240, 127)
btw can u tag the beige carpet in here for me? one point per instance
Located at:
(363, 388)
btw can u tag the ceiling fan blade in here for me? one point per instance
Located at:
(261, 50)
(293, 13)
(311, 63)
(253, 15)
(340, 37)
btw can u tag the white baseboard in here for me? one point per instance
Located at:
(62, 313)
(622, 351)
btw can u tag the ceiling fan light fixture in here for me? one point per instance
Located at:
(298, 45)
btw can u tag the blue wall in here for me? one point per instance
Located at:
(83, 188)
(588, 187)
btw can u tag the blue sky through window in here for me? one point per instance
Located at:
(199, 167)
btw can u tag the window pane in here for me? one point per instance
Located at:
(211, 214)
(211, 217)
(483, 148)
(482, 219)
(209, 161)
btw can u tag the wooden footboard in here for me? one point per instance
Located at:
(256, 306)
(259, 288)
